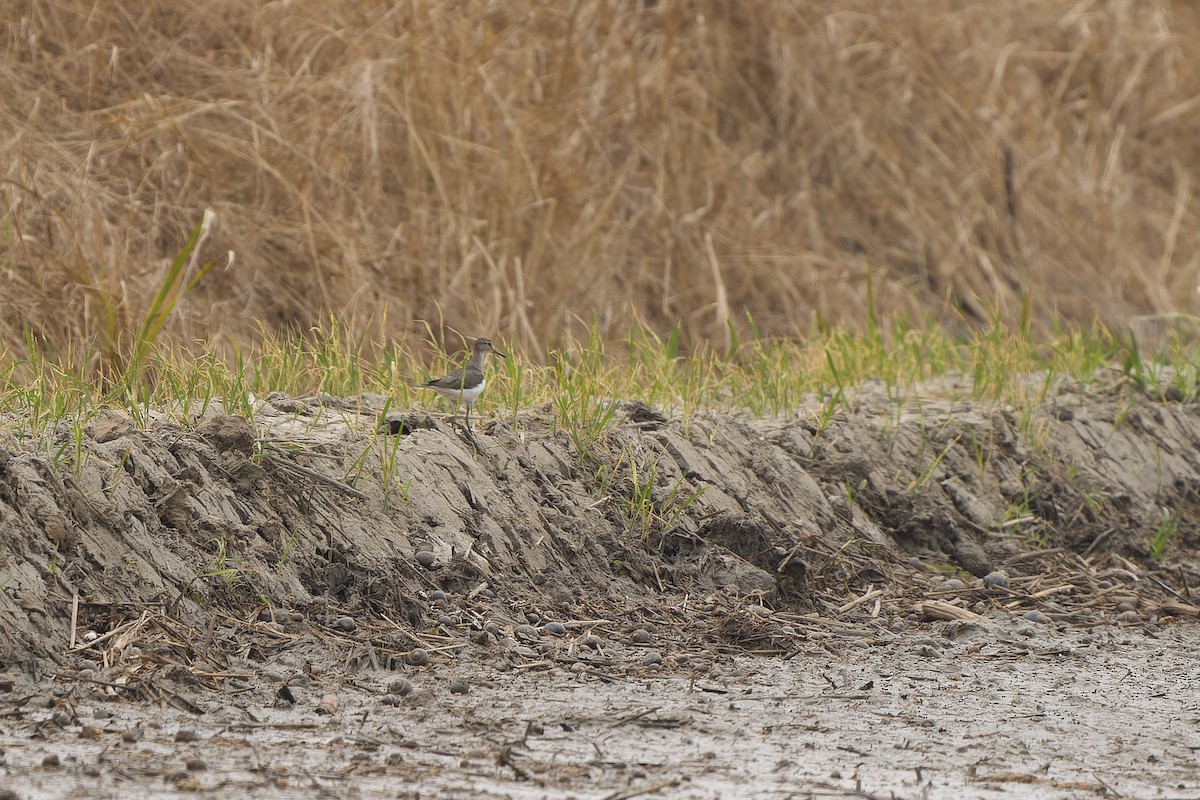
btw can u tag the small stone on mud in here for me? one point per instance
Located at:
(346, 624)
(329, 704)
(400, 686)
(590, 641)
(555, 628)
(445, 619)
(1035, 616)
(426, 559)
(995, 580)
(131, 736)
(641, 636)
(86, 674)
(954, 583)
(62, 718)
(196, 765)
(51, 760)
(459, 686)
(1129, 617)
(185, 735)
(526, 632)
(437, 594)
(417, 657)
(87, 663)
(651, 657)
(89, 732)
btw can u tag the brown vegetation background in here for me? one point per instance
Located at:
(528, 170)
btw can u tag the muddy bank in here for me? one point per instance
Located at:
(395, 601)
(308, 514)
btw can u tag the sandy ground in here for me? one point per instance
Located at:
(1004, 709)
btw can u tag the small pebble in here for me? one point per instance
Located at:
(131, 736)
(1129, 617)
(437, 594)
(62, 718)
(87, 663)
(1035, 616)
(51, 760)
(418, 657)
(641, 636)
(526, 632)
(555, 628)
(995, 580)
(86, 674)
(459, 686)
(329, 704)
(426, 559)
(90, 732)
(954, 583)
(532, 617)
(651, 657)
(196, 765)
(91, 770)
(346, 624)
(185, 735)
(400, 686)
(492, 627)
(590, 641)
(1127, 605)
(445, 619)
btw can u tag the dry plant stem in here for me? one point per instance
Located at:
(485, 168)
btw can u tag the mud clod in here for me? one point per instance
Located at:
(641, 636)
(459, 686)
(426, 558)
(996, 580)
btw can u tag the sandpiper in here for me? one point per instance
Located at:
(466, 383)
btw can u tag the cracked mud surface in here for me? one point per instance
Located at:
(907, 605)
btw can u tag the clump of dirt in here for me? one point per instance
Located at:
(309, 514)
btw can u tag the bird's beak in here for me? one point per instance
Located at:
(497, 352)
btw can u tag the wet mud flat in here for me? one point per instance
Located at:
(311, 603)
(1003, 712)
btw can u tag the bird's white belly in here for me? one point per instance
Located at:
(467, 396)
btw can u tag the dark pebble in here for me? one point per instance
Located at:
(62, 718)
(51, 760)
(555, 628)
(445, 619)
(346, 624)
(590, 641)
(532, 617)
(641, 636)
(184, 735)
(459, 686)
(1129, 617)
(131, 736)
(87, 663)
(651, 657)
(492, 627)
(437, 594)
(196, 765)
(954, 583)
(1035, 616)
(426, 558)
(995, 580)
(526, 632)
(418, 657)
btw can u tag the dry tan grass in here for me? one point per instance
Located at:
(527, 170)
